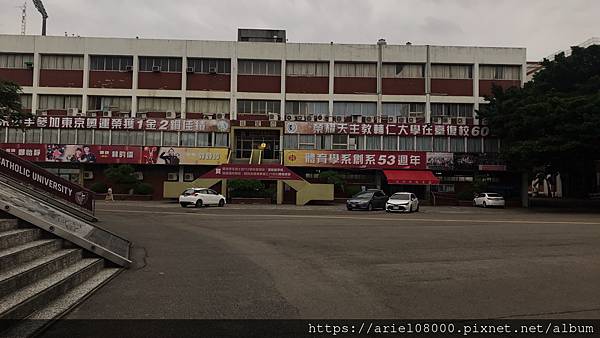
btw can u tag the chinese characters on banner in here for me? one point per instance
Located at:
(356, 159)
(318, 128)
(114, 123)
(252, 171)
(30, 152)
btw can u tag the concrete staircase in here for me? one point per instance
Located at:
(42, 277)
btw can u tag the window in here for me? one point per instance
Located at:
(136, 138)
(15, 135)
(49, 136)
(258, 107)
(68, 136)
(59, 102)
(32, 135)
(473, 145)
(25, 101)
(290, 141)
(114, 103)
(63, 62)
(207, 106)
(307, 108)
(402, 70)
(340, 142)
(2, 134)
(402, 109)
(102, 137)
(296, 68)
(390, 143)
(85, 136)
(306, 141)
(406, 143)
(258, 67)
(452, 109)
(119, 137)
(373, 143)
(451, 71)
(440, 143)
(165, 64)
(208, 66)
(187, 139)
(18, 61)
(457, 144)
(490, 145)
(221, 140)
(355, 69)
(110, 62)
(354, 108)
(170, 138)
(152, 138)
(499, 72)
(158, 104)
(424, 143)
(203, 139)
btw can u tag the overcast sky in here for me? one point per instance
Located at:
(542, 26)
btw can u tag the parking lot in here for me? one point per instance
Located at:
(246, 261)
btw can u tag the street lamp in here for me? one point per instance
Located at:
(40, 7)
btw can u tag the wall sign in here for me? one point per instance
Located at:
(309, 128)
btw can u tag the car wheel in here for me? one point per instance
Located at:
(474, 203)
(410, 209)
(484, 205)
(199, 204)
(349, 208)
(222, 203)
(417, 208)
(183, 205)
(370, 207)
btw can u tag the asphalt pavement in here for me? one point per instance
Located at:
(265, 262)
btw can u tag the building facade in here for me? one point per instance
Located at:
(379, 114)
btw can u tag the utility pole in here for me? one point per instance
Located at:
(23, 18)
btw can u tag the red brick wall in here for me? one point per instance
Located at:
(403, 86)
(22, 77)
(61, 78)
(452, 87)
(485, 86)
(111, 79)
(217, 82)
(259, 83)
(307, 84)
(159, 80)
(355, 85)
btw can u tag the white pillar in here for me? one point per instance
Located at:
(331, 80)
(233, 82)
(428, 86)
(283, 93)
(37, 65)
(86, 82)
(183, 107)
(136, 67)
(476, 91)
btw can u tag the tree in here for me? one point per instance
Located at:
(10, 103)
(122, 177)
(553, 122)
(333, 177)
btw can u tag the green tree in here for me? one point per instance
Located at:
(333, 177)
(553, 122)
(10, 103)
(122, 177)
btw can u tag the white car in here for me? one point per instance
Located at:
(402, 202)
(200, 197)
(488, 199)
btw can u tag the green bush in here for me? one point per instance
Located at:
(466, 194)
(143, 189)
(352, 190)
(99, 187)
(247, 188)
(121, 177)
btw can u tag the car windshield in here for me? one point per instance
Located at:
(494, 195)
(402, 197)
(363, 195)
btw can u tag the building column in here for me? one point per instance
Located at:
(525, 190)
(380, 46)
(183, 107)
(280, 192)
(428, 86)
(233, 82)
(476, 92)
(136, 68)
(86, 82)
(283, 93)
(37, 65)
(331, 81)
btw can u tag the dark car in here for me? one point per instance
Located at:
(367, 200)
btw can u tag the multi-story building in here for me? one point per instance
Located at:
(379, 114)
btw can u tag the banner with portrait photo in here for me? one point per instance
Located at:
(202, 156)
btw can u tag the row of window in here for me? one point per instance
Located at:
(264, 67)
(392, 143)
(114, 137)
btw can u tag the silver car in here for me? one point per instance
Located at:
(402, 202)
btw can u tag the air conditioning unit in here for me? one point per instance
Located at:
(171, 115)
(73, 112)
(357, 118)
(273, 117)
(461, 121)
(412, 120)
(212, 70)
(370, 119)
(391, 119)
(446, 120)
(28, 64)
(300, 118)
(220, 116)
(41, 112)
(208, 116)
(437, 119)
(289, 117)
(338, 118)
(141, 115)
(416, 114)
(188, 177)
(401, 119)
(321, 118)
(138, 175)
(156, 69)
(172, 177)
(310, 118)
(124, 114)
(190, 69)
(129, 68)
(88, 175)
(107, 113)
(93, 113)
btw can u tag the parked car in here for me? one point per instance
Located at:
(489, 199)
(200, 197)
(367, 200)
(402, 202)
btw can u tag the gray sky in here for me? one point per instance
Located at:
(542, 26)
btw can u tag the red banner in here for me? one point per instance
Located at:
(319, 128)
(29, 152)
(250, 171)
(365, 159)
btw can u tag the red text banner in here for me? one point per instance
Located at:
(364, 159)
(318, 128)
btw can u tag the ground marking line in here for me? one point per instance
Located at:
(356, 218)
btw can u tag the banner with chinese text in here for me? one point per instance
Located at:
(363, 159)
(318, 128)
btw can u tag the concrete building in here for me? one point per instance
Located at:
(299, 99)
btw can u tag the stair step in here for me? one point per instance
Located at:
(12, 257)
(8, 224)
(29, 272)
(24, 302)
(16, 237)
